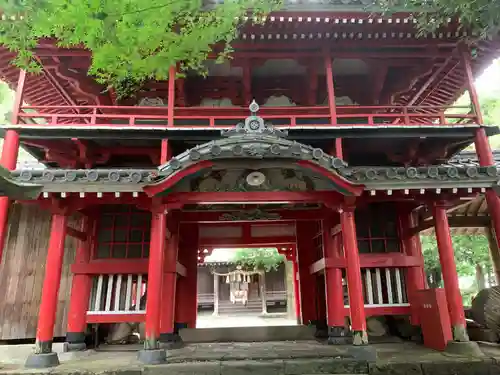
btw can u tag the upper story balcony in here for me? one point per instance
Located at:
(201, 118)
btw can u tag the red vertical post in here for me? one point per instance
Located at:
(152, 353)
(333, 283)
(10, 153)
(331, 100)
(414, 275)
(180, 319)
(187, 287)
(167, 331)
(449, 271)
(43, 355)
(80, 291)
(305, 255)
(192, 281)
(296, 287)
(165, 153)
(354, 282)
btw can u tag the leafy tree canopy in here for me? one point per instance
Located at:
(265, 259)
(131, 40)
(469, 252)
(480, 16)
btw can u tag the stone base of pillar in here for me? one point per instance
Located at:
(359, 338)
(465, 348)
(43, 360)
(152, 357)
(171, 341)
(362, 353)
(459, 333)
(75, 342)
(338, 336)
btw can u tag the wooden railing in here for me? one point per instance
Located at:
(117, 298)
(275, 295)
(205, 299)
(225, 117)
(384, 289)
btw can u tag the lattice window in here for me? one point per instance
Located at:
(318, 240)
(123, 232)
(377, 229)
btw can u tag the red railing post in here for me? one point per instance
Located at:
(405, 116)
(93, 118)
(171, 95)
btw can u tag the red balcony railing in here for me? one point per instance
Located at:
(225, 117)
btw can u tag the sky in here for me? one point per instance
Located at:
(488, 83)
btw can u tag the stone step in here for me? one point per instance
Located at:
(246, 334)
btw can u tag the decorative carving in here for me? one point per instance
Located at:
(255, 214)
(254, 125)
(241, 180)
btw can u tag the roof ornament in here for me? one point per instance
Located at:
(254, 125)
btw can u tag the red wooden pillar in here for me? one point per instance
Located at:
(43, 355)
(414, 275)
(192, 278)
(305, 254)
(296, 287)
(10, 152)
(483, 148)
(333, 283)
(187, 299)
(485, 157)
(167, 331)
(354, 282)
(449, 271)
(80, 291)
(152, 352)
(331, 100)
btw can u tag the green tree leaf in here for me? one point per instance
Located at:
(265, 259)
(131, 41)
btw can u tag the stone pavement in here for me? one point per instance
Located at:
(273, 358)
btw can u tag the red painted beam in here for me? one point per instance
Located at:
(285, 215)
(116, 318)
(387, 260)
(327, 197)
(383, 310)
(112, 266)
(261, 241)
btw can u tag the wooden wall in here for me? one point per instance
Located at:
(22, 273)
